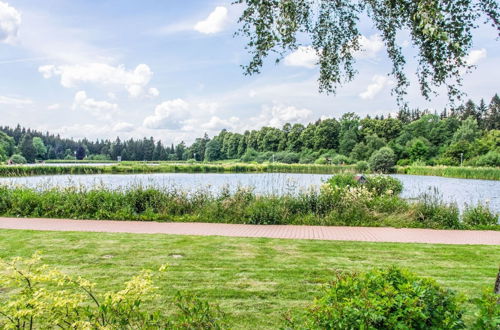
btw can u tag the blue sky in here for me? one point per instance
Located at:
(171, 69)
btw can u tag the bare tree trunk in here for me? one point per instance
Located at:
(497, 283)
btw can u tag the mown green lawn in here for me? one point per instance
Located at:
(254, 280)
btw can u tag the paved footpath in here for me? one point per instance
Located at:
(366, 234)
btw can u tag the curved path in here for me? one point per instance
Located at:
(366, 234)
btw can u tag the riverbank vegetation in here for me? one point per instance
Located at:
(130, 167)
(468, 134)
(341, 201)
(140, 167)
(254, 281)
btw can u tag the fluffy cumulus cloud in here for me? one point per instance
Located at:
(123, 127)
(370, 46)
(216, 123)
(14, 101)
(475, 56)
(304, 56)
(215, 22)
(278, 115)
(170, 114)
(99, 109)
(378, 84)
(133, 81)
(10, 19)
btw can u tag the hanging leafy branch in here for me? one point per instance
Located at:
(441, 31)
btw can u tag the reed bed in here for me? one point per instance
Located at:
(338, 202)
(484, 173)
(135, 168)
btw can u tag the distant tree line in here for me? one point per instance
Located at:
(468, 133)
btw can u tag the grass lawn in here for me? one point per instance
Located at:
(254, 280)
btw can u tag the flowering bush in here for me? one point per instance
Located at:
(39, 297)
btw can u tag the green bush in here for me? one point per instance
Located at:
(342, 180)
(362, 166)
(479, 215)
(383, 160)
(384, 184)
(44, 298)
(404, 162)
(382, 299)
(341, 160)
(18, 159)
(431, 212)
(492, 158)
(488, 316)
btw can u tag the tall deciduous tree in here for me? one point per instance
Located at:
(440, 30)
(27, 149)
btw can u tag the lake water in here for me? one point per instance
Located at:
(460, 191)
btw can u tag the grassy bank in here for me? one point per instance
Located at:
(86, 167)
(342, 202)
(135, 168)
(484, 173)
(254, 280)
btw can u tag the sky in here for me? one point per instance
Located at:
(172, 70)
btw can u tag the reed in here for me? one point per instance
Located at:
(331, 205)
(484, 173)
(137, 167)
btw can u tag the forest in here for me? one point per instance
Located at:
(468, 134)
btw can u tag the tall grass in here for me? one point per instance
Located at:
(485, 173)
(27, 170)
(346, 205)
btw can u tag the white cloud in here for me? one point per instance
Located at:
(168, 115)
(55, 106)
(214, 23)
(10, 19)
(378, 83)
(278, 115)
(304, 56)
(475, 56)
(370, 46)
(14, 101)
(99, 109)
(216, 124)
(153, 92)
(123, 127)
(133, 81)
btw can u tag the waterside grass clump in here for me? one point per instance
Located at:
(483, 173)
(340, 201)
(137, 167)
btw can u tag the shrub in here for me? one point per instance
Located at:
(45, 298)
(341, 160)
(18, 159)
(488, 315)
(383, 160)
(342, 180)
(492, 158)
(403, 162)
(384, 184)
(362, 166)
(250, 155)
(479, 215)
(383, 299)
(431, 212)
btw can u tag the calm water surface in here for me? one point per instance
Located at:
(460, 191)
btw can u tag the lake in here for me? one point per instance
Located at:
(460, 191)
